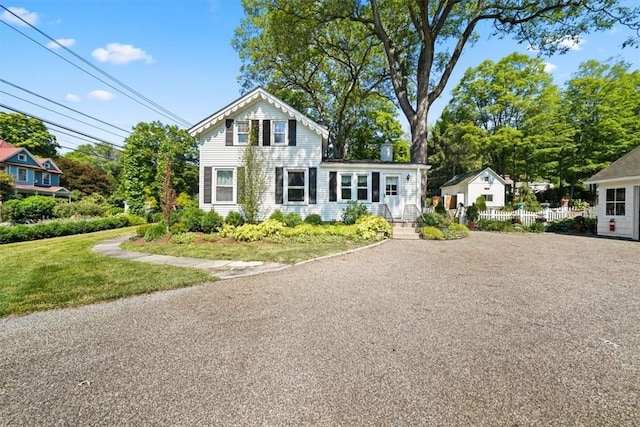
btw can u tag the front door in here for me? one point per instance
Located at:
(392, 194)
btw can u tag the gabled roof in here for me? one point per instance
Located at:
(248, 100)
(53, 168)
(627, 166)
(7, 150)
(466, 178)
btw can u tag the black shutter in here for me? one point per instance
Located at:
(375, 187)
(313, 178)
(333, 184)
(292, 132)
(208, 182)
(266, 132)
(279, 186)
(240, 184)
(229, 132)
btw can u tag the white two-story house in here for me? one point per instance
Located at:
(300, 177)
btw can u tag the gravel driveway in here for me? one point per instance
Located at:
(493, 330)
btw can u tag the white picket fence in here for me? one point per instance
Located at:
(528, 217)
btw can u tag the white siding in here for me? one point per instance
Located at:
(625, 226)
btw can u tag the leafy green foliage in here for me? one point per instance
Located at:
(6, 185)
(183, 238)
(31, 133)
(473, 213)
(94, 205)
(252, 178)
(528, 198)
(313, 219)
(234, 218)
(22, 233)
(456, 231)
(292, 219)
(277, 215)
(353, 211)
(373, 227)
(210, 222)
(155, 231)
(33, 208)
(432, 219)
(431, 233)
(84, 177)
(481, 203)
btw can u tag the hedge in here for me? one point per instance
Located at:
(23, 233)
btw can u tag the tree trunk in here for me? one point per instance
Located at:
(418, 125)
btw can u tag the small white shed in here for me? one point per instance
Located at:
(467, 187)
(618, 208)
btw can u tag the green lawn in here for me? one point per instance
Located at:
(63, 272)
(285, 251)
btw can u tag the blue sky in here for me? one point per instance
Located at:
(177, 54)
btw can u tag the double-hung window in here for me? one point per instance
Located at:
(242, 131)
(279, 132)
(22, 175)
(488, 197)
(46, 178)
(615, 204)
(224, 185)
(295, 186)
(363, 187)
(345, 186)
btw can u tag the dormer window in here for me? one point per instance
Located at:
(47, 165)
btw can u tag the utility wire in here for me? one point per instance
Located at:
(63, 106)
(167, 114)
(64, 115)
(60, 126)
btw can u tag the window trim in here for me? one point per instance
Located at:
(305, 186)
(342, 187)
(46, 178)
(397, 184)
(367, 188)
(488, 197)
(26, 175)
(617, 205)
(22, 157)
(214, 197)
(237, 132)
(284, 133)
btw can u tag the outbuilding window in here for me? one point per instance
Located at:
(615, 204)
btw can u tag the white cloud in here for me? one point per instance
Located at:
(30, 17)
(572, 43)
(549, 67)
(63, 42)
(117, 53)
(101, 95)
(72, 97)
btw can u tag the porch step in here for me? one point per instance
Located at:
(405, 231)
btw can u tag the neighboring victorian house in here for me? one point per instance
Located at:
(300, 178)
(618, 208)
(31, 175)
(465, 188)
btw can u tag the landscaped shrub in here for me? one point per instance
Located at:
(536, 227)
(373, 227)
(431, 233)
(211, 222)
(191, 217)
(292, 219)
(178, 228)
(234, 218)
(21, 233)
(155, 231)
(481, 203)
(277, 215)
(33, 208)
(496, 225)
(313, 219)
(440, 208)
(455, 231)
(183, 238)
(90, 206)
(131, 218)
(353, 211)
(432, 219)
(142, 230)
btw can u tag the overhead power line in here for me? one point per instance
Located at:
(60, 126)
(158, 108)
(57, 112)
(64, 106)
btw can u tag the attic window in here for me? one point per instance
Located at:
(22, 157)
(47, 165)
(279, 132)
(242, 131)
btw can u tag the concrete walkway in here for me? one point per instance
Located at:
(222, 269)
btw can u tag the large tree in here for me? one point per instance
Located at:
(423, 40)
(84, 177)
(332, 71)
(102, 155)
(28, 132)
(602, 102)
(516, 109)
(143, 168)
